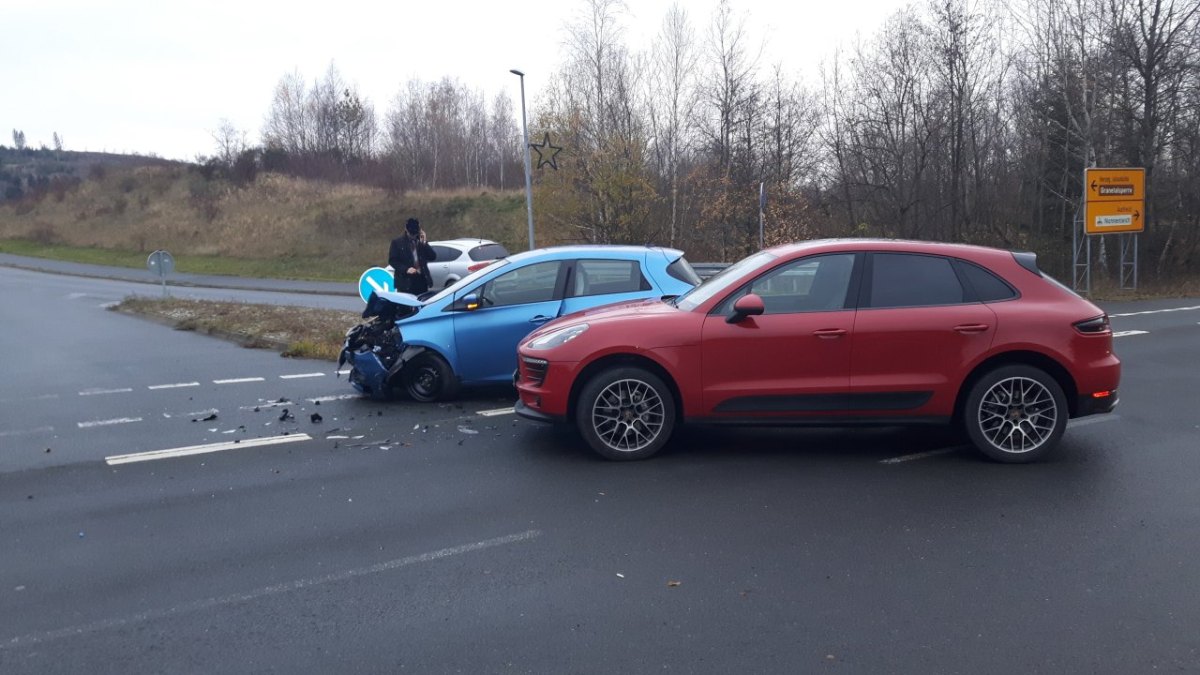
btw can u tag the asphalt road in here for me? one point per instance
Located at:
(398, 537)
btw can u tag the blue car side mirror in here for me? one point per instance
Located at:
(470, 302)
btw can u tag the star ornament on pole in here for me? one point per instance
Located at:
(547, 152)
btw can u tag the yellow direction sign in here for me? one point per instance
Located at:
(1114, 217)
(1115, 200)
(1115, 185)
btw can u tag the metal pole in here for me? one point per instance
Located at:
(528, 160)
(761, 200)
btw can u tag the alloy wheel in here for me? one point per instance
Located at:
(1017, 415)
(628, 415)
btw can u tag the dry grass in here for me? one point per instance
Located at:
(302, 332)
(277, 218)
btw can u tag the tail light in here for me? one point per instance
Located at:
(480, 265)
(1093, 326)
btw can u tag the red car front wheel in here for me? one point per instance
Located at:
(626, 413)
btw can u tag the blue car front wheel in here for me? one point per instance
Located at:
(429, 378)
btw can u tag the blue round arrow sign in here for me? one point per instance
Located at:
(375, 279)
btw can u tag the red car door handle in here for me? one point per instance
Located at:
(970, 328)
(829, 332)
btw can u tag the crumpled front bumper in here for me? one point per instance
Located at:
(367, 373)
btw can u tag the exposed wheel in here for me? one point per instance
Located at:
(1015, 414)
(429, 378)
(625, 413)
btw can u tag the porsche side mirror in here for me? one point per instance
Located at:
(747, 305)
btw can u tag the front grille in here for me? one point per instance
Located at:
(534, 370)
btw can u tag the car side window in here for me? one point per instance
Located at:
(522, 286)
(987, 286)
(605, 277)
(817, 284)
(908, 280)
(445, 253)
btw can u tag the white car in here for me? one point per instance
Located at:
(456, 258)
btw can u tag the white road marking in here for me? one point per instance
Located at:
(204, 449)
(240, 380)
(272, 404)
(177, 385)
(25, 432)
(108, 305)
(1159, 311)
(96, 392)
(1093, 419)
(942, 451)
(265, 591)
(340, 397)
(344, 372)
(105, 423)
(299, 375)
(918, 455)
(1127, 333)
(498, 411)
(40, 397)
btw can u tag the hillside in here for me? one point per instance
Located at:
(277, 225)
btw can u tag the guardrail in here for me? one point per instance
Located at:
(707, 269)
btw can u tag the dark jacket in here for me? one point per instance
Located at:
(400, 257)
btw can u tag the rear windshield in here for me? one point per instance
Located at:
(488, 252)
(682, 270)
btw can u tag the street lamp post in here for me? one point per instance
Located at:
(528, 159)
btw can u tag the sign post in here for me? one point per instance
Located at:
(161, 263)
(1114, 203)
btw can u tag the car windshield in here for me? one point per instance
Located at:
(720, 281)
(469, 279)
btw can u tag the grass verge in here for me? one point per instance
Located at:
(299, 267)
(301, 332)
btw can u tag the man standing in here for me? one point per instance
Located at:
(409, 257)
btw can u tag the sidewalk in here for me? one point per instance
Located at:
(178, 278)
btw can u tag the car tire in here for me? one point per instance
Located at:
(1015, 414)
(625, 413)
(428, 378)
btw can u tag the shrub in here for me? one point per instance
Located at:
(97, 172)
(127, 184)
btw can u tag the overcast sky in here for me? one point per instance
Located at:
(157, 77)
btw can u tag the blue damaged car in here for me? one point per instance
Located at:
(467, 334)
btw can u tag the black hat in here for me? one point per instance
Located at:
(413, 225)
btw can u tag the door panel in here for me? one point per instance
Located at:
(912, 356)
(512, 306)
(795, 358)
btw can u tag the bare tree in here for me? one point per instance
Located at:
(674, 92)
(230, 142)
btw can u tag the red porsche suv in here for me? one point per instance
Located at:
(834, 332)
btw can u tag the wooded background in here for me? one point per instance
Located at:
(959, 120)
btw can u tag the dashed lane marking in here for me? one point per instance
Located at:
(1159, 311)
(25, 432)
(22, 399)
(107, 423)
(919, 455)
(300, 375)
(1071, 424)
(1094, 419)
(204, 449)
(30, 639)
(1127, 333)
(339, 397)
(177, 385)
(240, 380)
(345, 371)
(97, 392)
(498, 411)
